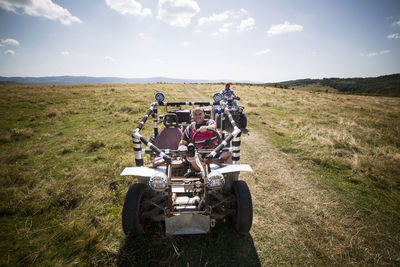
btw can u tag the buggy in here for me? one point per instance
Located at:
(236, 111)
(164, 192)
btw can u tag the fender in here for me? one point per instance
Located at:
(142, 171)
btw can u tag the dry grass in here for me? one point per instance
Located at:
(325, 188)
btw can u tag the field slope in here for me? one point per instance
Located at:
(326, 186)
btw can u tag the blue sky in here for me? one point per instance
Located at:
(263, 41)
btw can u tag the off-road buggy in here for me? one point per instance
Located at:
(236, 111)
(188, 204)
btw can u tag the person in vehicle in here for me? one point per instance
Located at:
(200, 124)
(227, 93)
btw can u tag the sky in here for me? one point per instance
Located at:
(235, 40)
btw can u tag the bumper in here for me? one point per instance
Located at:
(187, 224)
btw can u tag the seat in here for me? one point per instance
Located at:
(168, 138)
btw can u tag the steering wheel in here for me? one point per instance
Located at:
(206, 144)
(171, 119)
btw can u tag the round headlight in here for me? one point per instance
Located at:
(158, 182)
(215, 180)
(160, 97)
(217, 97)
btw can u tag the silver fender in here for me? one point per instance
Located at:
(142, 171)
(231, 168)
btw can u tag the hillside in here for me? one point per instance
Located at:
(325, 186)
(388, 85)
(75, 80)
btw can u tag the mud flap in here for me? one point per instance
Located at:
(185, 224)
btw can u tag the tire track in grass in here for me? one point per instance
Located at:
(296, 220)
(195, 95)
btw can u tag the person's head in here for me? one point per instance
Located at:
(198, 115)
(227, 86)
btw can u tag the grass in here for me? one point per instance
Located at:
(326, 186)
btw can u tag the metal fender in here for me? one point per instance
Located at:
(232, 168)
(142, 171)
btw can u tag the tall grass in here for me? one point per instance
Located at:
(325, 188)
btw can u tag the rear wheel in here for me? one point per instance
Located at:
(243, 219)
(131, 212)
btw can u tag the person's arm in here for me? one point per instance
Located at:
(185, 136)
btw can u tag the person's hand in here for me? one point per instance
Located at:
(182, 148)
(203, 129)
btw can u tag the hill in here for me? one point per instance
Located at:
(388, 85)
(71, 80)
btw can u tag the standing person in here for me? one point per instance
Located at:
(227, 93)
(200, 124)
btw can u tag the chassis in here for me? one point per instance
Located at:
(188, 204)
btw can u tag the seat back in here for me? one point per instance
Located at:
(168, 138)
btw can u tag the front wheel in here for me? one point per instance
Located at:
(243, 219)
(131, 212)
(243, 121)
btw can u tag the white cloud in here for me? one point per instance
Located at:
(213, 18)
(65, 53)
(108, 58)
(223, 30)
(228, 24)
(229, 18)
(9, 42)
(9, 52)
(396, 23)
(177, 12)
(393, 36)
(262, 52)
(185, 43)
(129, 7)
(141, 34)
(228, 14)
(40, 8)
(246, 25)
(283, 28)
(373, 54)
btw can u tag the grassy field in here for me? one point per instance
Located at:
(326, 186)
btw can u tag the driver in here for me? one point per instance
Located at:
(227, 93)
(200, 124)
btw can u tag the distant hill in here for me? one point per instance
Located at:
(69, 80)
(388, 85)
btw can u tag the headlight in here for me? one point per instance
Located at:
(160, 97)
(217, 97)
(215, 180)
(158, 182)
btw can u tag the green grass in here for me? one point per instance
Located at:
(326, 186)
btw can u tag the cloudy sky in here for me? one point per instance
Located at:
(258, 40)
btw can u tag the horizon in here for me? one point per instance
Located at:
(200, 40)
(190, 80)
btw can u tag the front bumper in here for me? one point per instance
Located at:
(184, 224)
